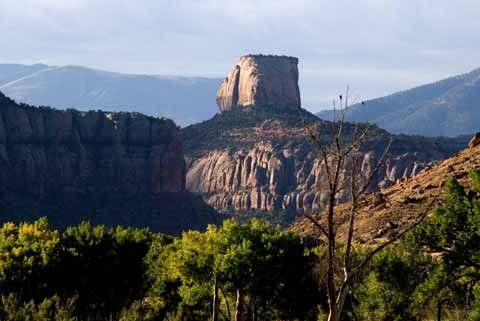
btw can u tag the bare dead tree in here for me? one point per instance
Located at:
(344, 174)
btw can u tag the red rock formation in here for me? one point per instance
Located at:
(262, 81)
(268, 178)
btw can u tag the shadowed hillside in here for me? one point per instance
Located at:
(109, 168)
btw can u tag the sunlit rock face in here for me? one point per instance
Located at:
(259, 159)
(261, 80)
(269, 179)
(255, 156)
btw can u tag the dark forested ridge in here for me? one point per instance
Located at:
(445, 108)
(109, 168)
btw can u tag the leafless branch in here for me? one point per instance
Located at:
(379, 164)
(316, 141)
(359, 140)
(392, 240)
(317, 224)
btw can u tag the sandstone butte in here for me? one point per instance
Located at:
(261, 80)
(254, 155)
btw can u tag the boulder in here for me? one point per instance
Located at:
(475, 141)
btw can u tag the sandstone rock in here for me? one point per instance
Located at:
(111, 168)
(259, 158)
(475, 141)
(378, 199)
(265, 178)
(261, 80)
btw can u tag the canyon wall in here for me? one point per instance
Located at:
(112, 168)
(255, 156)
(271, 179)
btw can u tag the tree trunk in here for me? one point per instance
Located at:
(439, 311)
(332, 315)
(215, 299)
(229, 316)
(239, 313)
(340, 302)
(331, 257)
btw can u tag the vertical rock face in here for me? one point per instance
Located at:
(112, 168)
(262, 81)
(271, 179)
(259, 159)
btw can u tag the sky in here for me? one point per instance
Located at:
(376, 47)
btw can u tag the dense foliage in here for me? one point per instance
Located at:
(433, 274)
(252, 270)
(95, 273)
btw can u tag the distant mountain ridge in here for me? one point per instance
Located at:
(185, 100)
(449, 107)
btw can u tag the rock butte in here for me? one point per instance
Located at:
(261, 80)
(258, 158)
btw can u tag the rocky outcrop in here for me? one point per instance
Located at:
(111, 168)
(269, 179)
(262, 81)
(474, 141)
(402, 204)
(259, 159)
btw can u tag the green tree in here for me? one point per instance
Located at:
(28, 254)
(388, 292)
(453, 234)
(51, 309)
(104, 267)
(260, 271)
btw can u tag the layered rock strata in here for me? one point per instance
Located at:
(267, 179)
(112, 168)
(260, 159)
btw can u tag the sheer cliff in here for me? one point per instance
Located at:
(111, 168)
(259, 159)
(254, 156)
(264, 80)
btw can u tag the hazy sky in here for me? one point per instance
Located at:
(375, 46)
